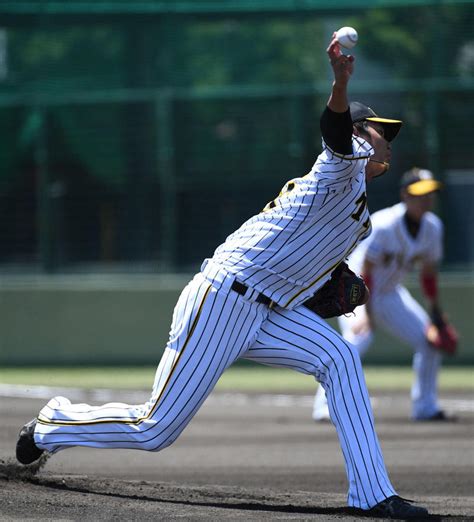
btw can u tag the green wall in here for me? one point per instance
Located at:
(123, 319)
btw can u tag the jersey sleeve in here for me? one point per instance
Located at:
(336, 129)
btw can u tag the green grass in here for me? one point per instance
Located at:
(238, 378)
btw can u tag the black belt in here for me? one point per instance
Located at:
(241, 289)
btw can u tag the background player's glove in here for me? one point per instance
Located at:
(441, 334)
(340, 295)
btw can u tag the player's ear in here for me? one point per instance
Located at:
(360, 129)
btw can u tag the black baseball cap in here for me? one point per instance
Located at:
(418, 182)
(360, 112)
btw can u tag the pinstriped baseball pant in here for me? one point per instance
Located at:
(211, 329)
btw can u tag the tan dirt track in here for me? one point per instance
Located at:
(243, 457)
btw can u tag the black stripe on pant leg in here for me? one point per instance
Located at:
(349, 415)
(118, 433)
(355, 471)
(197, 384)
(341, 426)
(177, 377)
(118, 420)
(144, 431)
(374, 435)
(374, 465)
(210, 339)
(206, 392)
(249, 341)
(374, 438)
(229, 343)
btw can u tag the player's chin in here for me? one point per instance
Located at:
(375, 169)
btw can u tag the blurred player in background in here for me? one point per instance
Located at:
(404, 235)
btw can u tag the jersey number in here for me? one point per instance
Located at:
(362, 204)
(287, 188)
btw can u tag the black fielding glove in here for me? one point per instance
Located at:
(340, 295)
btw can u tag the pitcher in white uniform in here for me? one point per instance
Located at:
(404, 236)
(248, 301)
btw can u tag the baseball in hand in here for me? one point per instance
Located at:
(347, 37)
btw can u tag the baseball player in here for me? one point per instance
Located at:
(404, 235)
(249, 301)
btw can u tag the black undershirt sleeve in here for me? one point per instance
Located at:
(336, 128)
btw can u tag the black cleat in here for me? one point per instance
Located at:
(395, 507)
(439, 416)
(26, 449)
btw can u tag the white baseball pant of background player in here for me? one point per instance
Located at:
(211, 329)
(401, 315)
(392, 306)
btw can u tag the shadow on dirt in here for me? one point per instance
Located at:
(211, 496)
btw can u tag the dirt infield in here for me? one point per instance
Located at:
(244, 457)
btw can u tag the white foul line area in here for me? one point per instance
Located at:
(277, 400)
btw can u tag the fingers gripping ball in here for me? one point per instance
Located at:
(347, 37)
(340, 295)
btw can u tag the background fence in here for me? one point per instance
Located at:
(137, 135)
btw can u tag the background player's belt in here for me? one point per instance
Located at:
(241, 289)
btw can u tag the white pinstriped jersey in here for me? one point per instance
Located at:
(290, 249)
(393, 250)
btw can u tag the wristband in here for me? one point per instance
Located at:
(429, 284)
